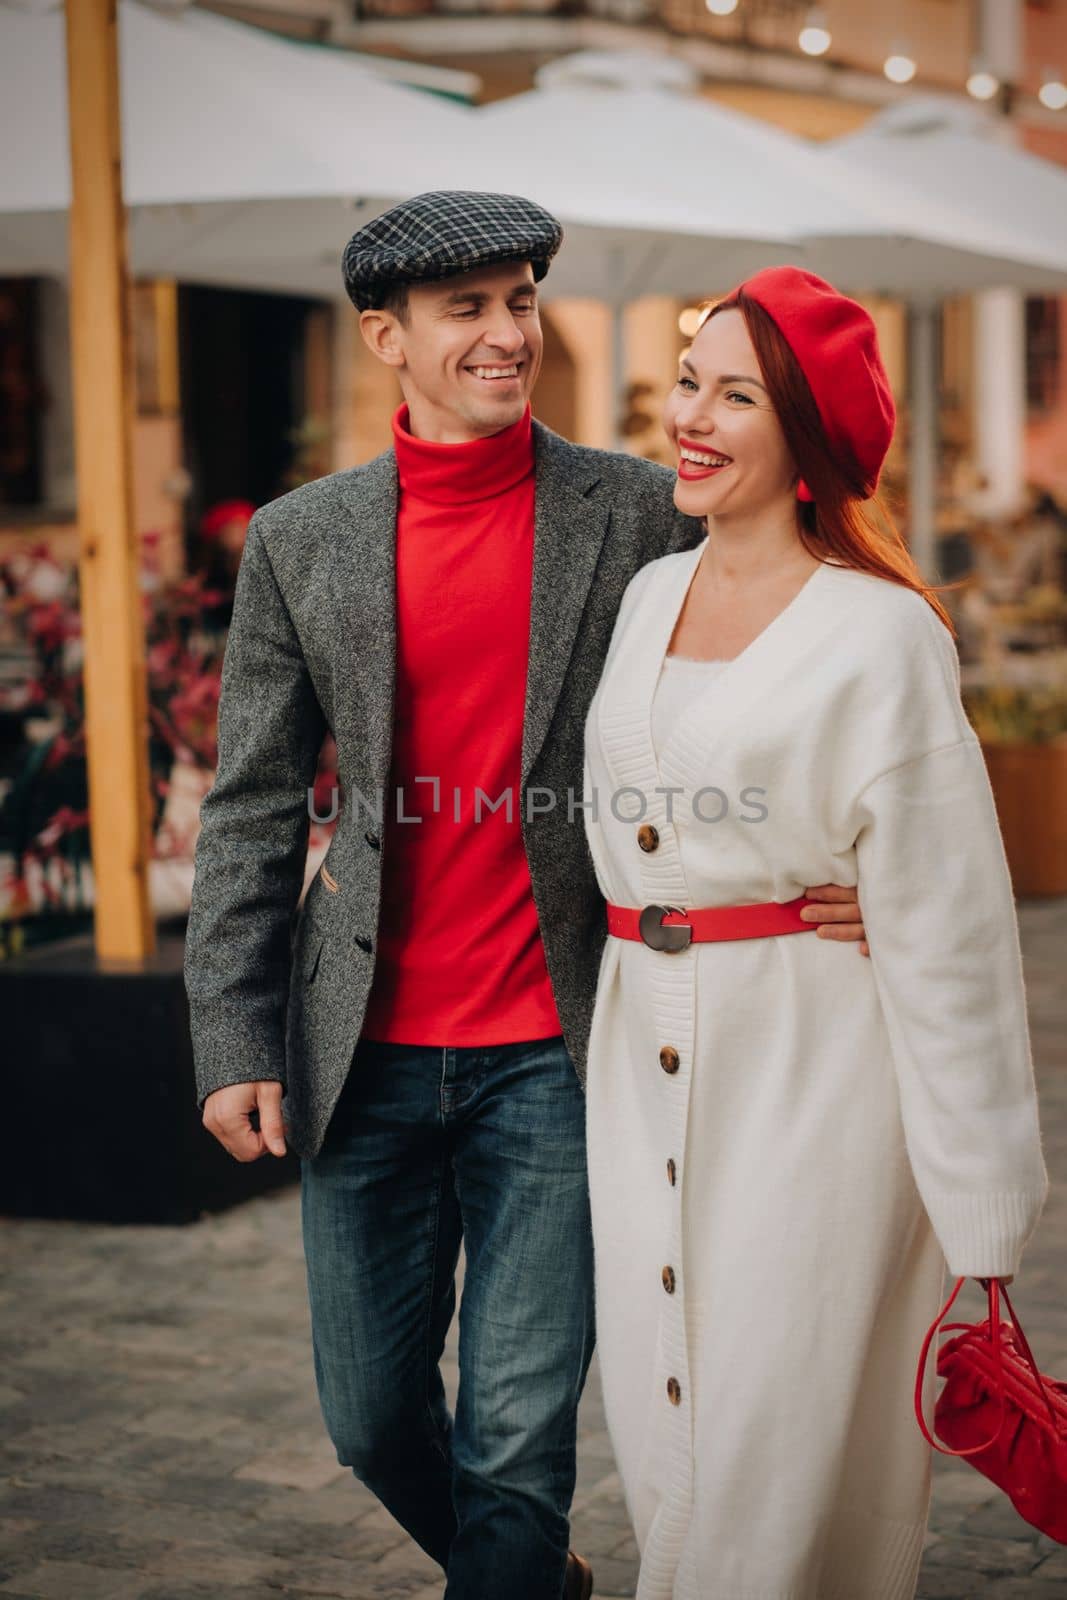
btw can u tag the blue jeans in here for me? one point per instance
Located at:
(429, 1145)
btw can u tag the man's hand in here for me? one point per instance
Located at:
(230, 1114)
(840, 915)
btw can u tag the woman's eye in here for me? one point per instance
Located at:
(683, 381)
(735, 394)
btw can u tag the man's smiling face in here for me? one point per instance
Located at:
(469, 352)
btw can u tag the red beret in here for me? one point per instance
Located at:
(836, 344)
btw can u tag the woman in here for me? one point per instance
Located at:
(786, 1143)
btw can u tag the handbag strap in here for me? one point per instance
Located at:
(1021, 1341)
(931, 1334)
(994, 1289)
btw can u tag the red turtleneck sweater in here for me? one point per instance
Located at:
(459, 958)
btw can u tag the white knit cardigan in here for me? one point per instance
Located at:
(836, 1127)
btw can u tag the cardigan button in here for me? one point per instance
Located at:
(373, 840)
(669, 1059)
(668, 1279)
(674, 1391)
(672, 1172)
(647, 838)
(364, 943)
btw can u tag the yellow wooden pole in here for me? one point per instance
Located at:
(112, 625)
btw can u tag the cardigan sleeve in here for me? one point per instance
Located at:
(940, 917)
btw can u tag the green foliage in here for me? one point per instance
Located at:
(1001, 714)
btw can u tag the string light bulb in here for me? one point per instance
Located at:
(899, 67)
(721, 8)
(1053, 90)
(982, 84)
(815, 37)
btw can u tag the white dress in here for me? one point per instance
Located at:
(835, 1126)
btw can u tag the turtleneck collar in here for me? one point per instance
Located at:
(454, 474)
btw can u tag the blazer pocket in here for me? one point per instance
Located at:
(315, 960)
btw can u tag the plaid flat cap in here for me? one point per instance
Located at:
(437, 235)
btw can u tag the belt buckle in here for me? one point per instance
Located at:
(656, 936)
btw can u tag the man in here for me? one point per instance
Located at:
(445, 610)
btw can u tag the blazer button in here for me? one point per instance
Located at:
(668, 1279)
(669, 1059)
(647, 837)
(674, 1391)
(672, 1172)
(364, 944)
(373, 840)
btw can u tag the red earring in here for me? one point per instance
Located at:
(803, 492)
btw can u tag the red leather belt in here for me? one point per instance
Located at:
(669, 928)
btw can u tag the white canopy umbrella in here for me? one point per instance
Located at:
(950, 160)
(244, 156)
(250, 159)
(744, 193)
(1000, 212)
(619, 139)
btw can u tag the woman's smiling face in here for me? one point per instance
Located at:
(731, 453)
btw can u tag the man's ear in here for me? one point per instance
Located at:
(379, 330)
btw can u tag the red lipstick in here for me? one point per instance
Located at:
(689, 470)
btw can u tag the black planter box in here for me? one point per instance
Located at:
(99, 1096)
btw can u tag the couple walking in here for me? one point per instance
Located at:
(613, 739)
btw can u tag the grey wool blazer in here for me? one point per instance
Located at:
(280, 992)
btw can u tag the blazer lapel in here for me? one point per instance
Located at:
(570, 521)
(364, 603)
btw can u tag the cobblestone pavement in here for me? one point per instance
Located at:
(162, 1438)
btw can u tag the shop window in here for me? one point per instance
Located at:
(22, 395)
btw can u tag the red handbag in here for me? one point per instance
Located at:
(998, 1410)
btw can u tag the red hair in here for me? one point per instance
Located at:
(838, 523)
